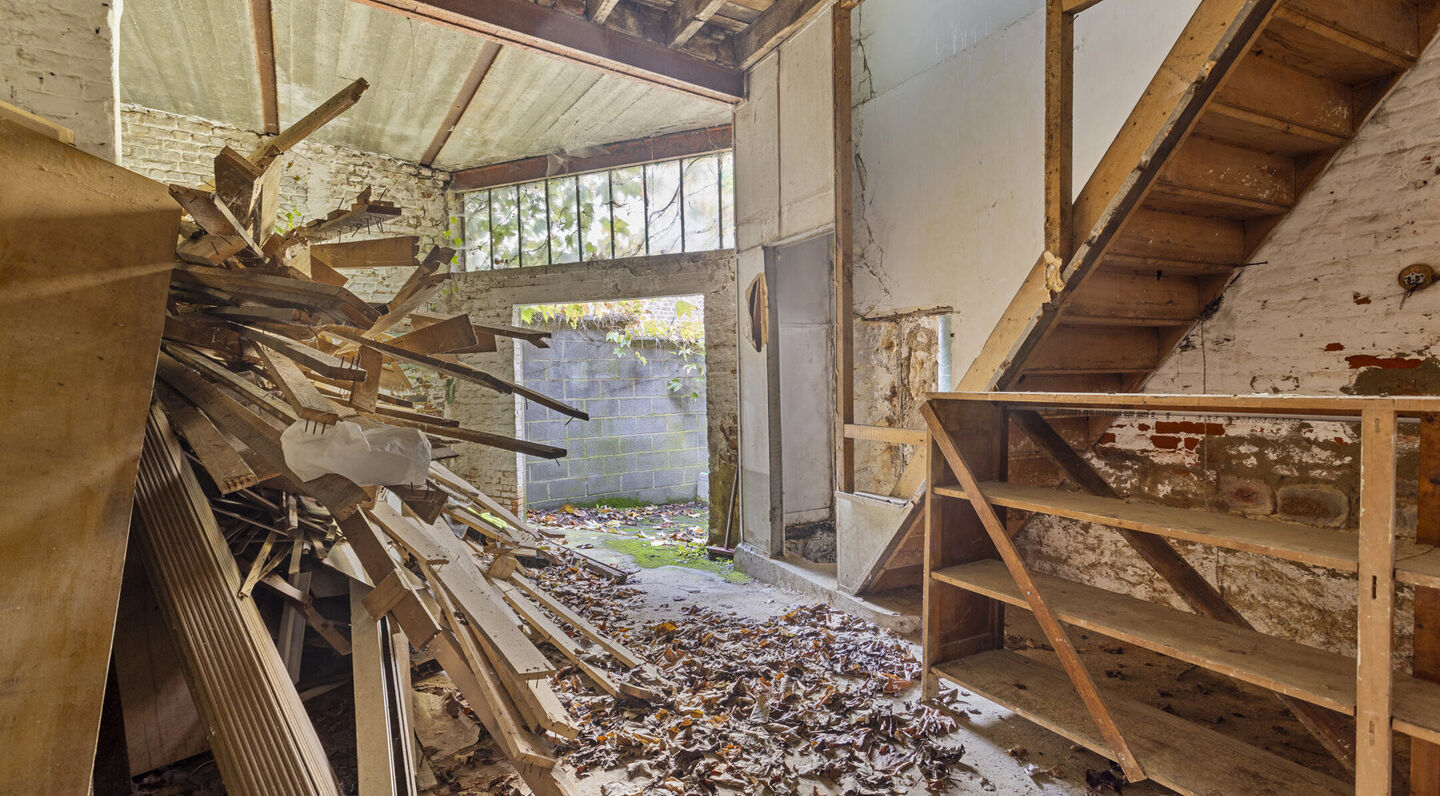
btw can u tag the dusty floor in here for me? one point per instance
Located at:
(1002, 753)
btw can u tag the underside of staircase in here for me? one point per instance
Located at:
(1254, 101)
(1289, 84)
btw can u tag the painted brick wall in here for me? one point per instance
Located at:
(58, 60)
(317, 179)
(1321, 314)
(642, 441)
(492, 296)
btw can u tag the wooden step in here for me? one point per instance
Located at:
(1174, 236)
(1120, 298)
(1314, 42)
(1270, 105)
(1326, 547)
(1323, 678)
(1093, 349)
(1179, 754)
(1210, 177)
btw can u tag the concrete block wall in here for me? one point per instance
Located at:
(1322, 313)
(493, 296)
(58, 60)
(317, 179)
(642, 442)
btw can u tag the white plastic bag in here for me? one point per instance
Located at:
(382, 456)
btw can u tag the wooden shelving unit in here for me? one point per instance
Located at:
(973, 571)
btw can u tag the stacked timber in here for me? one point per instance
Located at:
(262, 341)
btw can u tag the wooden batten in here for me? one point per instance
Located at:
(262, 738)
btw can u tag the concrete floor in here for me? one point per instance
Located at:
(1004, 753)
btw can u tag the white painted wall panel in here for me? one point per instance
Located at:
(807, 124)
(757, 157)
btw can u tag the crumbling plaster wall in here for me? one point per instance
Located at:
(949, 167)
(316, 179)
(1320, 313)
(784, 192)
(493, 296)
(58, 59)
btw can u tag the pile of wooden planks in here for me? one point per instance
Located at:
(260, 336)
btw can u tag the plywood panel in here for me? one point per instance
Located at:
(78, 365)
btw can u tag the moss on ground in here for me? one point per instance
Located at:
(650, 556)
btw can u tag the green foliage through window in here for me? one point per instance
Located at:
(667, 207)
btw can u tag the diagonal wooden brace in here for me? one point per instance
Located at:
(1331, 729)
(1054, 632)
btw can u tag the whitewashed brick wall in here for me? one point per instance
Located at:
(317, 179)
(58, 60)
(1320, 313)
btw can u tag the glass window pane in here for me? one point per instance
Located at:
(505, 227)
(662, 186)
(628, 204)
(595, 239)
(477, 231)
(534, 226)
(564, 223)
(727, 200)
(702, 203)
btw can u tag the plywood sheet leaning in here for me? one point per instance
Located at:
(263, 740)
(78, 366)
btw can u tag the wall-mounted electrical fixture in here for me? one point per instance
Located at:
(1416, 277)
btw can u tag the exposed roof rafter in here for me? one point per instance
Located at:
(687, 17)
(263, 26)
(609, 156)
(777, 22)
(599, 10)
(462, 100)
(520, 23)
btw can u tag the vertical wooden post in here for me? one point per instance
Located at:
(958, 622)
(1059, 123)
(844, 251)
(1425, 756)
(1377, 602)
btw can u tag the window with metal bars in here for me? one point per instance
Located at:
(666, 207)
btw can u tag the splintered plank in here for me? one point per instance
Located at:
(225, 467)
(462, 372)
(301, 394)
(363, 214)
(551, 632)
(422, 285)
(312, 121)
(281, 291)
(236, 183)
(622, 653)
(212, 215)
(264, 742)
(314, 359)
(238, 384)
(87, 245)
(439, 338)
(444, 475)
(1178, 754)
(484, 341)
(472, 593)
(486, 438)
(373, 253)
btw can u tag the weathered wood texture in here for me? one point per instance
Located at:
(78, 366)
(263, 741)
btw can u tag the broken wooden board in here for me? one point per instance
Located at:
(78, 369)
(263, 740)
(400, 251)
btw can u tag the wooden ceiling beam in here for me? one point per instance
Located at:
(687, 17)
(766, 32)
(467, 92)
(599, 10)
(263, 26)
(520, 23)
(609, 156)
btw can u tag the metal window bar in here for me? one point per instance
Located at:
(719, 200)
(681, 197)
(490, 222)
(579, 223)
(645, 199)
(610, 197)
(549, 230)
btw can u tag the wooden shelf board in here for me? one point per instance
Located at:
(1325, 547)
(1317, 676)
(1276, 405)
(1176, 753)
